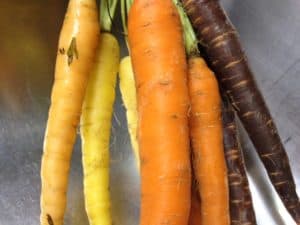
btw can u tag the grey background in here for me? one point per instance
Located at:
(270, 33)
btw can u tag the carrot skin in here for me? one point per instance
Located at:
(128, 92)
(160, 69)
(195, 212)
(241, 208)
(73, 64)
(220, 41)
(207, 144)
(95, 130)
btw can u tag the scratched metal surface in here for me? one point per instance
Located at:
(270, 33)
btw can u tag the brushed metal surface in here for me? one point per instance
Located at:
(270, 33)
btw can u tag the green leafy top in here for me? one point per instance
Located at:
(190, 39)
(107, 12)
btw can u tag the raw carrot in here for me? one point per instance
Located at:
(76, 50)
(96, 121)
(191, 48)
(159, 65)
(96, 129)
(241, 208)
(128, 92)
(207, 143)
(220, 41)
(206, 136)
(128, 89)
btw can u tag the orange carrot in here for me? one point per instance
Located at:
(159, 64)
(207, 143)
(207, 138)
(78, 41)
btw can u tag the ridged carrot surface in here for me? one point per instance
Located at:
(160, 69)
(241, 207)
(77, 46)
(95, 131)
(207, 144)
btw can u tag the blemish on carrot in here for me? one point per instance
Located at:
(198, 20)
(174, 116)
(72, 51)
(205, 30)
(231, 64)
(62, 51)
(146, 24)
(164, 82)
(240, 84)
(50, 220)
(221, 37)
(247, 114)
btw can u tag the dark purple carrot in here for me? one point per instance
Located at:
(221, 44)
(241, 208)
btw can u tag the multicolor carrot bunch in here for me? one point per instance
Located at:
(182, 131)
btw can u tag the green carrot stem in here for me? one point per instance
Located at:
(107, 12)
(191, 42)
(124, 16)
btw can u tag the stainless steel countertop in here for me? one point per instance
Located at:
(270, 33)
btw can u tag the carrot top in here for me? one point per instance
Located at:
(107, 12)
(190, 39)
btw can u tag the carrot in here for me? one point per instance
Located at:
(241, 208)
(95, 131)
(206, 136)
(96, 122)
(128, 92)
(191, 48)
(76, 50)
(160, 71)
(207, 142)
(220, 41)
(128, 89)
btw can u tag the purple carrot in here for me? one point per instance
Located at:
(220, 42)
(241, 208)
